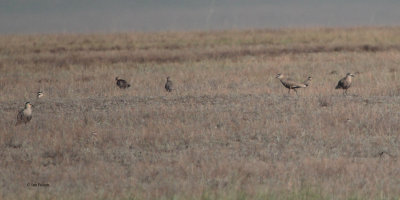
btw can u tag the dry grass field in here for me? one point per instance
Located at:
(228, 131)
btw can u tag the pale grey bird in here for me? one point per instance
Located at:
(169, 85)
(290, 84)
(121, 83)
(345, 83)
(24, 115)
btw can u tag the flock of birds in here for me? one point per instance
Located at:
(25, 115)
(343, 83)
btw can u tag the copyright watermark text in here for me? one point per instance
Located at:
(37, 184)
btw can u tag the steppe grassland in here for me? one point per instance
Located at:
(229, 131)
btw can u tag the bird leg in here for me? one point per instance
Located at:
(295, 91)
(289, 91)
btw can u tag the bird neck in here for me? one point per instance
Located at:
(28, 111)
(348, 78)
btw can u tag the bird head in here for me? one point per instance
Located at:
(168, 78)
(279, 76)
(116, 78)
(28, 105)
(350, 74)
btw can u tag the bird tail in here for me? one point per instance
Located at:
(302, 85)
(337, 87)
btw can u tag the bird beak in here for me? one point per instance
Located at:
(352, 75)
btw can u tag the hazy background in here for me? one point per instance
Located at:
(43, 16)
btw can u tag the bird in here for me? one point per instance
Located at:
(345, 83)
(308, 81)
(24, 115)
(290, 84)
(121, 83)
(169, 85)
(40, 94)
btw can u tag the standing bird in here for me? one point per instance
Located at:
(25, 115)
(168, 85)
(345, 83)
(290, 84)
(121, 83)
(40, 95)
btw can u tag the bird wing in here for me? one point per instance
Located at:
(168, 85)
(122, 83)
(294, 84)
(20, 117)
(342, 83)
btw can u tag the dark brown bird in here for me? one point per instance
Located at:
(169, 85)
(24, 115)
(345, 83)
(290, 84)
(121, 83)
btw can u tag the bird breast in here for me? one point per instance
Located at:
(28, 112)
(348, 79)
